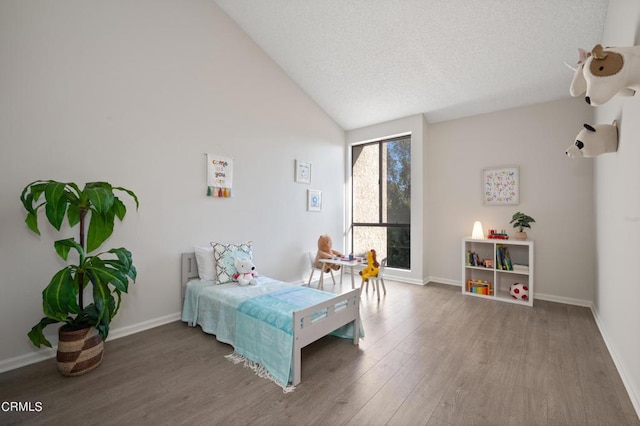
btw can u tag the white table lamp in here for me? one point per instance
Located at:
(477, 233)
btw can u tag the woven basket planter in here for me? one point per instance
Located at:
(79, 351)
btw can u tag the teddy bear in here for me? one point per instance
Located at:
(372, 266)
(594, 140)
(605, 72)
(245, 274)
(325, 251)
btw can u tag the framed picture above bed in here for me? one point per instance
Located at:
(219, 176)
(314, 200)
(501, 186)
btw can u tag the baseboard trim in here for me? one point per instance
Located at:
(27, 359)
(145, 325)
(634, 395)
(565, 300)
(405, 280)
(48, 353)
(447, 281)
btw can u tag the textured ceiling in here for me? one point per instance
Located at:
(369, 61)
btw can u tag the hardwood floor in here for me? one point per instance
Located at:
(431, 356)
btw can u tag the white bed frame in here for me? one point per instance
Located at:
(304, 331)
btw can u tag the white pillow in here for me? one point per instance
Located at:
(224, 255)
(206, 263)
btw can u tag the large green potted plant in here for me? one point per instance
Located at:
(521, 221)
(93, 210)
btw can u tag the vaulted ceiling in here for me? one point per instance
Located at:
(369, 61)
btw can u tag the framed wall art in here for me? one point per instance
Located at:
(219, 176)
(303, 172)
(501, 186)
(314, 200)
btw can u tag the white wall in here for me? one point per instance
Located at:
(617, 184)
(555, 190)
(417, 126)
(135, 93)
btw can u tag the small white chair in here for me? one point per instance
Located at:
(377, 280)
(312, 261)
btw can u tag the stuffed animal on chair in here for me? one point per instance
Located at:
(605, 72)
(372, 266)
(245, 274)
(594, 140)
(325, 251)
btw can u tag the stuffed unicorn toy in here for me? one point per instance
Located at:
(605, 72)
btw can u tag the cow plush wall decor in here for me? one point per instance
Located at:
(594, 140)
(605, 72)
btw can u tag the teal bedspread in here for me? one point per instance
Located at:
(264, 328)
(213, 307)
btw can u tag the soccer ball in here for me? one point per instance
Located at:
(519, 291)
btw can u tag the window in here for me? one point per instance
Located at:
(381, 200)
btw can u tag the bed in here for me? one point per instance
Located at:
(246, 317)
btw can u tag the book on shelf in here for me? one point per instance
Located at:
(503, 260)
(473, 259)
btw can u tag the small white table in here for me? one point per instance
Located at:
(344, 263)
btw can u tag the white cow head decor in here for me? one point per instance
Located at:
(605, 72)
(594, 140)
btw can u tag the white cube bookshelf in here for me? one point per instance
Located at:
(493, 282)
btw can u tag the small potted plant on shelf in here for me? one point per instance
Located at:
(86, 326)
(521, 221)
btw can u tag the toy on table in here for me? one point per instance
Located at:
(372, 266)
(325, 251)
(605, 72)
(245, 274)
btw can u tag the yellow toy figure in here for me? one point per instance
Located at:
(372, 266)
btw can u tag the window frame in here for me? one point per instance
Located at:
(381, 205)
